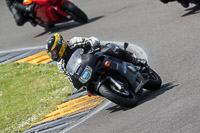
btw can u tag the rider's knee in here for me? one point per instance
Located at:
(20, 21)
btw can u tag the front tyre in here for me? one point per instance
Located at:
(129, 101)
(81, 17)
(154, 82)
(76, 12)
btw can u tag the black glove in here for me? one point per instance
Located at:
(26, 9)
(29, 8)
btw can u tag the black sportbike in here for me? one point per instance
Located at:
(119, 81)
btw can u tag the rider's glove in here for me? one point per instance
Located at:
(26, 9)
(94, 42)
(29, 8)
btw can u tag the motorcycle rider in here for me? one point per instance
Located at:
(20, 12)
(60, 50)
(184, 3)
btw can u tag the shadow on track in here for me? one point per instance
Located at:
(67, 26)
(192, 11)
(117, 108)
(149, 95)
(146, 96)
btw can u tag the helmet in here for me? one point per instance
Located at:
(55, 47)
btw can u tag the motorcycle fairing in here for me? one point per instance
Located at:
(82, 66)
(79, 67)
(41, 2)
(27, 2)
(51, 12)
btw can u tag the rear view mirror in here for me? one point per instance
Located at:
(125, 45)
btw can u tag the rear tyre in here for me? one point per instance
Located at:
(129, 101)
(154, 82)
(77, 14)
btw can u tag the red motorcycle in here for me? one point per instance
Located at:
(47, 13)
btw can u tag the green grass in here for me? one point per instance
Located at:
(27, 93)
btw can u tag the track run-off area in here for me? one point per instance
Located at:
(169, 34)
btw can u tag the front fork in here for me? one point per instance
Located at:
(142, 82)
(118, 87)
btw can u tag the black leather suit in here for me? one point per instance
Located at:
(17, 9)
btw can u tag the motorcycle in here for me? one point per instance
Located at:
(110, 77)
(184, 3)
(47, 13)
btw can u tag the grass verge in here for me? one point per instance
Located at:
(27, 93)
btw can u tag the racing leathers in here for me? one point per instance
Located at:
(93, 43)
(20, 12)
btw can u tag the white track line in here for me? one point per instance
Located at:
(132, 47)
(87, 116)
(21, 49)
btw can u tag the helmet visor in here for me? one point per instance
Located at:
(53, 54)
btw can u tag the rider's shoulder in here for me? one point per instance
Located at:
(76, 39)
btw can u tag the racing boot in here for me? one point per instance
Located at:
(19, 19)
(130, 57)
(139, 62)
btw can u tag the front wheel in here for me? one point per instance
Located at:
(126, 100)
(154, 82)
(77, 14)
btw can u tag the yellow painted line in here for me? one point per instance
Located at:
(74, 101)
(40, 57)
(46, 60)
(73, 107)
(43, 59)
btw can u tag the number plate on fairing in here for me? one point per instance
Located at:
(86, 75)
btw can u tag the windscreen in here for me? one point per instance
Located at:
(74, 61)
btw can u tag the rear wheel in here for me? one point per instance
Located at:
(154, 82)
(77, 14)
(126, 98)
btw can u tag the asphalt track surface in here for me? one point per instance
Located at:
(170, 36)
